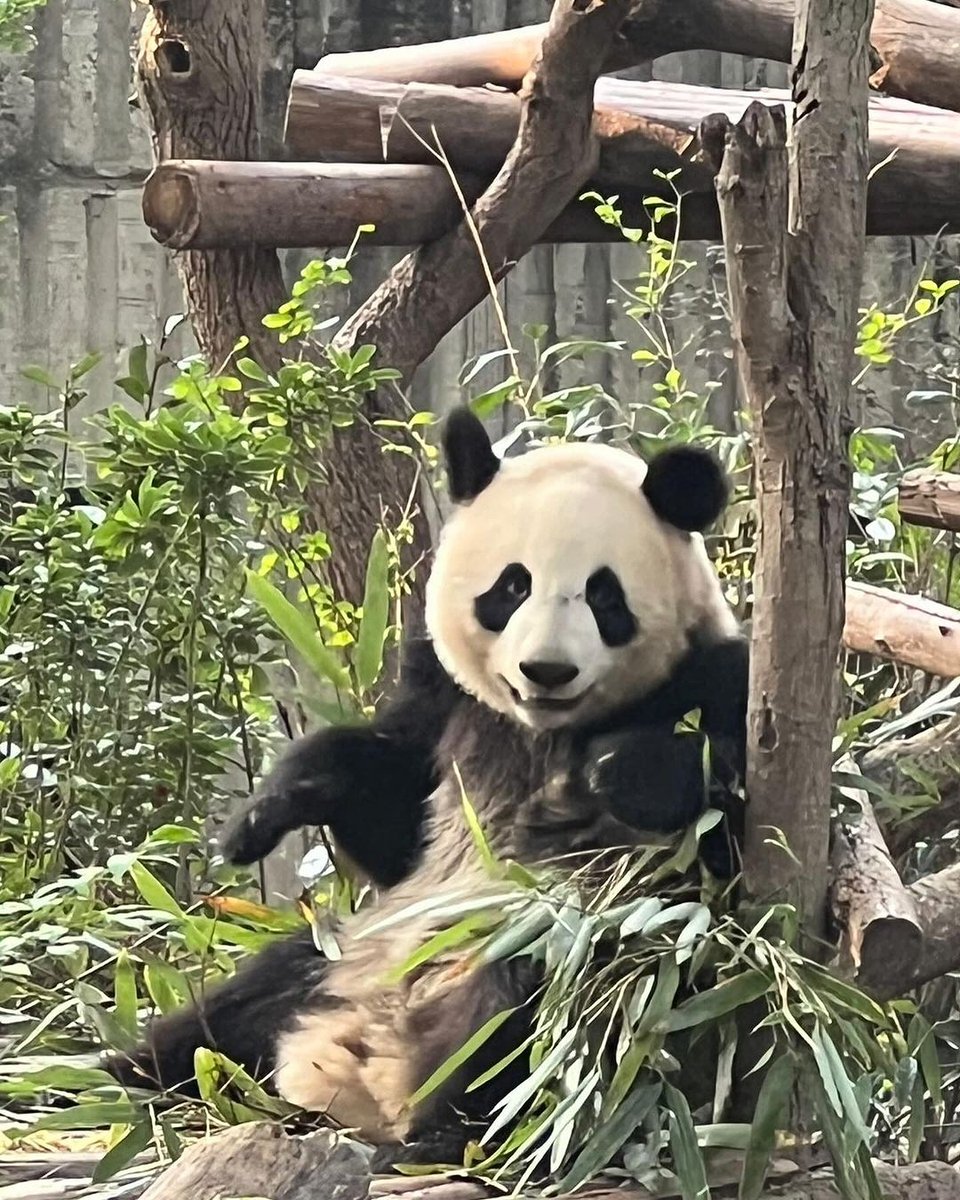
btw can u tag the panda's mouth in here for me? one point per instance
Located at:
(546, 704)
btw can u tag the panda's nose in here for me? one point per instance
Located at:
(550, 674)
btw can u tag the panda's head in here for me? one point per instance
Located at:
(571, 580)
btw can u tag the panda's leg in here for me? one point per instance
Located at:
(240, 1017)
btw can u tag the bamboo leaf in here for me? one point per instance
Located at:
(720, 1000)
(456, 1060)
(368, 656)
(610, 1136)
(125, 1151)
(297, 630)
(684, 1147)
(769, 1116)
(125, 994)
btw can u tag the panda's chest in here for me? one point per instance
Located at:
(527, 794)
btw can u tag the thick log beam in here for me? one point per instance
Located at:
(201, 205)
(911, 630)
(876, 913)
(917, 43)
(930, 498)
(641, 128)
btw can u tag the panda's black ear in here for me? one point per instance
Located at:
(470, 460)
(687, 487)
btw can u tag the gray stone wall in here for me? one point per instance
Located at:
(79, 271)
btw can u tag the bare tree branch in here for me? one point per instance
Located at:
(554, 154)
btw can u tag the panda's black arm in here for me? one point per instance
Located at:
(368, 784)
(652, 778)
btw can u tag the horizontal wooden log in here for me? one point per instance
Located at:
(917, 43)
(643, 127)
(931, 498)
(910, 630)
(202, 205)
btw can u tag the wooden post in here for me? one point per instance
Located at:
(794, 238)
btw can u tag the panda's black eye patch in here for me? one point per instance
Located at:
(495, 607)
(615, 621)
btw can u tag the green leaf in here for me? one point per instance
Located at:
(100, 1115)
(252, 370)
(368, 656)
(298, 631)
(770, 1115)
(125, 1151)
(610, 1136)
(684, 1147)
(84, 366)
(125, 993)
(39, 375)
(457, 1060)
(720, 1000)
(153, 892)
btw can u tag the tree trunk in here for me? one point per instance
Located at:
(199, 68)
(794, 240)
(199, 73)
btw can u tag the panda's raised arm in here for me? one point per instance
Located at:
(368, 784)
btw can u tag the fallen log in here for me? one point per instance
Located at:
(930, 498)
(875, 911)
(917, 43)
(642, 128)
(911, 630)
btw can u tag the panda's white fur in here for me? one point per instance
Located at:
(563, 512)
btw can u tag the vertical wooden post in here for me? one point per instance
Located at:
(794, 214)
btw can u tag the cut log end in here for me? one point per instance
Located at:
(171, 206)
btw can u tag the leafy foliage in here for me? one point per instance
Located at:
(147, 619)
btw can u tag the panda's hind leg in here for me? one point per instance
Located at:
(241, 1018)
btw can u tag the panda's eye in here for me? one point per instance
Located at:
(615, 622)
(495, 607)
(517, 586)
(604, 591)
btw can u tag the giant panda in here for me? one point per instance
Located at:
(573, 617)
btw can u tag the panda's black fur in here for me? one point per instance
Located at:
(379, 789)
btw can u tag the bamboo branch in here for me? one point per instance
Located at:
(931, 498)
(915, 41)
(907, 629)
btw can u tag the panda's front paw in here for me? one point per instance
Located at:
(651, 779)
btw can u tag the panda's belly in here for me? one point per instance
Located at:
(356, 1057)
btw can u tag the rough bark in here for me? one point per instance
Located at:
(641, 128)
(875, 911)
(911, 630)
(916, 44)
(554, 154)
(199, 71)
(199, 79)
(931, 498)
(794, 241)
(937, 900)
(260, 1160)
